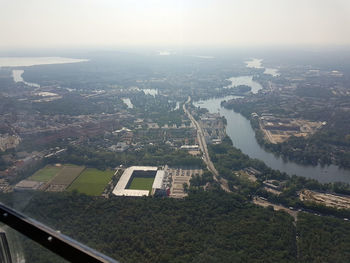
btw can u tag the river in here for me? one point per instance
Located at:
(17, 77)
(243, 137)
(257, 63)
(244, 80)
(128, 102)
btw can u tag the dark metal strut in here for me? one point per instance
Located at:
(60, 244)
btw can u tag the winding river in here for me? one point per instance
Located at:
(243, 137)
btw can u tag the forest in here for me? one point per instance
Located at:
(323, 239)
(207, 226)
(228, 160)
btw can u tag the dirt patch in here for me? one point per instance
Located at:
(265, 203)
(331, 200)
(278, 130)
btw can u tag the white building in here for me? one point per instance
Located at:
(158, 181)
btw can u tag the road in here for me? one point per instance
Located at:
(264, 203)
(204, 148)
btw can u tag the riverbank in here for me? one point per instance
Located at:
(294, 138)
(242, 134)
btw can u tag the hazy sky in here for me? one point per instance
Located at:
(56, 23)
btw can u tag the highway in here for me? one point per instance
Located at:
(204, 148)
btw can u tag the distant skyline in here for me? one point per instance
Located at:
(173, 23)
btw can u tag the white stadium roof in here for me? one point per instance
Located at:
(131, 192)
(124, 179)
(158, 180)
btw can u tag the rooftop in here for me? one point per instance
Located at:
(158, 180)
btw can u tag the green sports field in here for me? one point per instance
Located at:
(91, 181)
(45, 174)
(142, 183)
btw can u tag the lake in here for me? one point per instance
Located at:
(254, 63)
(152, 92)
(33, 61)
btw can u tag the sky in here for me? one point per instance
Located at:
(171, 23)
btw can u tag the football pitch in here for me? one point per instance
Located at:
(45, 174)
(91, 181)
(142, 183)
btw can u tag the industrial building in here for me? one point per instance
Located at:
(190, 147)
(28, 185)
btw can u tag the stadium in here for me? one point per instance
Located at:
(140, 181)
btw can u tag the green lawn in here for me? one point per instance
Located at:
(91, 181)
(142, 183)
(45, 174)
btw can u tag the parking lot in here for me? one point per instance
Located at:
(178, 178)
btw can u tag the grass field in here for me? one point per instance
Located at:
(91, 181)
(45, 174)
(67, 174)
(142, 183)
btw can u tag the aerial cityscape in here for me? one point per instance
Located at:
(178, 140)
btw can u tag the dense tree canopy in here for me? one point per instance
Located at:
(205, 227)
(323, 239)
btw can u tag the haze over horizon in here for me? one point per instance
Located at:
(49, 24)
